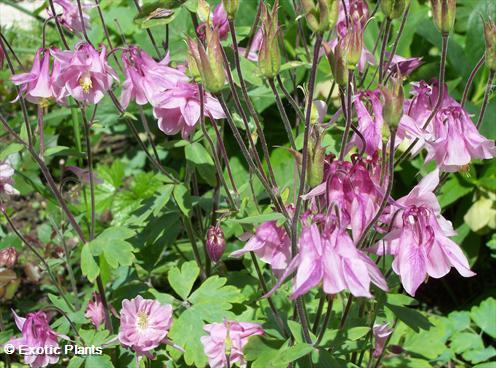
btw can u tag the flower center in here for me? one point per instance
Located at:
(142, 320)
(85, 82)
(44, 102)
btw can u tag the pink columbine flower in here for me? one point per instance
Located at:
(69, 15)
(144, 324)
(420, 240)
(36, 333)
(403, 66)
(271, 244)
(95, 312)
(178, 109)
(36, 85)
(228, 337)
(6, 182)
(218, 20)
(381, 333)
(146, 78)
(84, 73)
(256, 42)
(329, 256)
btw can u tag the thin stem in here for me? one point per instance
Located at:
(470, 79)
(386, 194)
(11, 50)
(320, 309)
(89, 156)
(41, 130)
(349, 114)
(327, 318)
(282, 111)
(383, 48)
(107, 34)
(489, 87)
(81, 18)
(253, 29)
(196, 253)
(57, 23)
(346, 312)
(150, 35)
(397, 40)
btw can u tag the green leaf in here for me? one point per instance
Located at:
(183, 198)
(10, 149)
(75, 362)
(482, 214)
(157, 13)
(465, 341)
(453, 190)
(182, 280)
(98, 361)
(269, 353)
(62, 151)
(210, 303)
(355, 333)
(274, 216)
(412, 318)
(485, 316)
(197, 154)
(479, 356)
(114, 247)
(162, 199)
(88, 265)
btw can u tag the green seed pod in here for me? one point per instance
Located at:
(231, 7)
(393, 8)
(490, 36)
(443, 14)
(393, 102)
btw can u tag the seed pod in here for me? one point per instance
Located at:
(443, 14)
(315, 163)
(352, 44)
(490, 36)
(337, 63)
(231, 7)
(393, 8)
(393, 102)
(321, 16)
(269, 56)
(215, 243)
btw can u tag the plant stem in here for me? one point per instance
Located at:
(320, 308)
(284, 116)
(489, 86)
(83, 26)
(107, 34)
(290, 99)
(327, 317)
(378, 361)
(89, 155)
(150, 34)
(397, 40)
(471, 79)
(383, 48)
(57, 23)
(196, 253)
(349, 113)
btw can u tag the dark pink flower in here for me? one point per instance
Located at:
(403, 66)
(84, 73)
(381, 333)
(178, 109)
(218, 19)
(271, 244)
(68, 15)
(6, 182)
(215, 243)
(36, 85)
(36, 333)
(146, 78)
(144, 324)
(95, 311)
(228, 337)
(420, 240)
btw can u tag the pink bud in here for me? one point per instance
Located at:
(8, 257)
(215, 243)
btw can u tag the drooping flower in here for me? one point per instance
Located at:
(381, 333)
(84, 73)
(329, 256)
(146, 78)
(252, 53)
(228, 339)
(95, 311)
(37, 333)
(215, 243)
(68, 15)
(403, 66)
(144, 324)
(271, 244)
(36, 85)
(419, 240)
(218, 20)
(8, 257)
(6, 182)
(178, 109)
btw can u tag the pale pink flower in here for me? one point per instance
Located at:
(178, 109)
(95, 311)
(381, 333)
(36, 333)
(84, 73)
(144, 324)
(68, 15)
(271, 244)
(146, 78)
(254, 47)
(36, 85)
(6, 181)
(420, 240)
(236, 333)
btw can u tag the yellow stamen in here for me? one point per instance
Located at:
(44, 102)
(142, 320)
(86, 83)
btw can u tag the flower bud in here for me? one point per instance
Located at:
(315, 163)
(231, 7)
(352, 44)
(193, 55)
(443, 13)
(490, 36)
(215, 243)
(203, 11)
(337, 63)
(8, 257)
(269, 56)
(393, 102)
(321, 16)
(393, 8)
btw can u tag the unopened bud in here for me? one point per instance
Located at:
(269, 56)
(352, 44)
(215, 243)
(8, 257)
(443, 13)
(490, 36)
(231, 7)
(192, 57)
(203, 11)
(321, 15)
(337, 63)
(393, 102)
(315, 165)
(393, 8)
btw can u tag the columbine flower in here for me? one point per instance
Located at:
(6, 182)
(69, 17)
(84, 73)
(271, 244)
(146, 78)
(36, 85)
(215, 243)
(218, 20)
(144, 324)
(178, 109)
(95, 311)
(329, 256)
(419, 239)
(36, 333)
(403, 66)
(381, 334)
(228, 339)
(256, 42)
